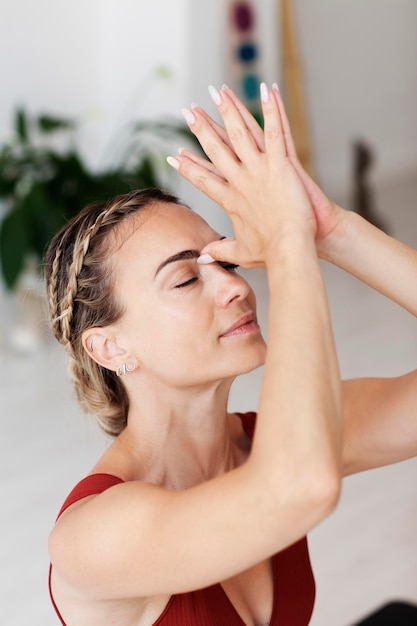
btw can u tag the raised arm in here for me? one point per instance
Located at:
(139, 539)
(380, 414)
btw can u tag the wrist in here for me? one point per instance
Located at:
(293, 244)
(329, 246)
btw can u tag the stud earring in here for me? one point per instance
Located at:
(122, 369)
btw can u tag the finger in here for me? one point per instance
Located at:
(286, 129)
(216, 127)
(221, 155)
(223, 250)
(313, 190)
(227, 251)
(309, 183)
(200, 161)
(241, 139)
(214, 186)
(251, 123)
(273, 130)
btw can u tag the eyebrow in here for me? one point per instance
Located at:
(179, 256)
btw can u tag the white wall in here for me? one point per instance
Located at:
(48, 56)
(93, 59)
(360, 65)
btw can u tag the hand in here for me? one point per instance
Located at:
(327, 213)
(256, 183)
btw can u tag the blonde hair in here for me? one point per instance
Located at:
(79, 281)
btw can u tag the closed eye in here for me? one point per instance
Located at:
(187, 282)
(228, 266)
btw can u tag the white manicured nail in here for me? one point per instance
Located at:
(217, 99)
(173, 162)
(264, 93)
(204, 259)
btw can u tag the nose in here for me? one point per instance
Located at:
(229, 286)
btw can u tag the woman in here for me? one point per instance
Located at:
(190, 517)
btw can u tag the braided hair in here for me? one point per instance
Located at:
(79, 281)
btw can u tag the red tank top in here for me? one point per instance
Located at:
(294, 587)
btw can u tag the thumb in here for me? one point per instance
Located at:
(223, 250)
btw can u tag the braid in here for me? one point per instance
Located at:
(80, 296)
(53, 295)
(81, 246)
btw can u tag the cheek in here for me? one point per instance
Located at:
(172, 331)
(175, 354)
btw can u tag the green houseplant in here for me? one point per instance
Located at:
(42, 186)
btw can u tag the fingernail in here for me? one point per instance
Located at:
(264, 93)
(181, 150)
(194, 105)
(204, 259)
(217, 99)
(173, 162)
(275, 87)
(224, 87)
(189, 117)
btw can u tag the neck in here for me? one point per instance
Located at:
(183, 437)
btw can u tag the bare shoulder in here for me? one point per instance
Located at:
(83, 604)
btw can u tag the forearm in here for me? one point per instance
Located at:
(380, 261)
(380, 421)
(300, 424)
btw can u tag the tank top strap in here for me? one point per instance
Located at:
(89, 486)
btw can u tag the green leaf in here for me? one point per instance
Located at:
(9, 171)
(13, 246)
(50, 124)
(21, 125)
(43, 218)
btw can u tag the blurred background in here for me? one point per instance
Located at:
(85, 89)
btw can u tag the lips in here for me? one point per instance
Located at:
(245, 324)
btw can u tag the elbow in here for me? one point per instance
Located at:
(311, 496)
(324, 490)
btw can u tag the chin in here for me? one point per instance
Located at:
(252, 359)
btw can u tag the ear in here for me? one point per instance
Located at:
(101, 345)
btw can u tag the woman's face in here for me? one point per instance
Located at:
(186, 324)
